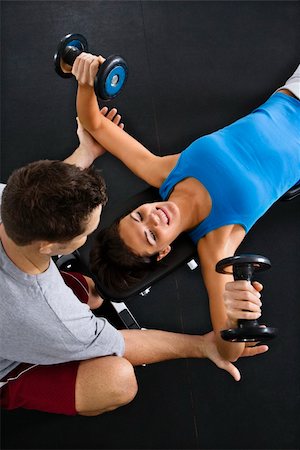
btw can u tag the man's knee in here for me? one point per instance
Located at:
(123, 381)
(104, 384)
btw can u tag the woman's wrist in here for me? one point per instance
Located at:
(231, 323)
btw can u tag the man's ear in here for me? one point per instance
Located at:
(163, 253)
(46, 248)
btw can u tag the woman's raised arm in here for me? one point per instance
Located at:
(132, 153)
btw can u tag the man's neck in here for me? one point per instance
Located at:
(27, 258)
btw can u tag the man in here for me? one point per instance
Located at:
(55, 355)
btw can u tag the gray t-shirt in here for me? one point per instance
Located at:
(43, 322)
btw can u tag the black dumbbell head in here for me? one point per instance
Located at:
(63, 59)
(259, 263)
(245, 333)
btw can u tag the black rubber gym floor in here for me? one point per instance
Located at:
(193, 67)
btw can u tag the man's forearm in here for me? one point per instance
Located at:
(87, 111)
(152, 346)
(80, 158)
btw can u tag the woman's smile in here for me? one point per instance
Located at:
(163, 215)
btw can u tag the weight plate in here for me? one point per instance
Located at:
(75, 40)
(249, 334)
(111, 77)
(260, 263)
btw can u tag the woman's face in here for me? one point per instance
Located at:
(151, 228)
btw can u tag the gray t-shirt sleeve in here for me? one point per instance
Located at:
(43, 322)
(90, 335)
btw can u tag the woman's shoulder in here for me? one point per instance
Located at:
(226, 236)
(168, 163)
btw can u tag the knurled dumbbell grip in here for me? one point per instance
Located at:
(70, 54)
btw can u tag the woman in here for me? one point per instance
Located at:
(216, 190)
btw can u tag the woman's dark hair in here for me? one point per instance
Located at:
(115, 265)
(50, 200)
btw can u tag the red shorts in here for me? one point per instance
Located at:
(46, 388)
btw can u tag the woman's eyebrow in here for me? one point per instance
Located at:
(146, 235)
(145, 232)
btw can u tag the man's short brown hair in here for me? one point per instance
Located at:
(50, 200)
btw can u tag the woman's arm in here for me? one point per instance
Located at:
(135, 156)
(216, 245)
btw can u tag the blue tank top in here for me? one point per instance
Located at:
(245, 166)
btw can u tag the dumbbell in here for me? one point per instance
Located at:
(112, 73)
(243, 268)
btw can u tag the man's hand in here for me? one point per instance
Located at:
(252, 349)
(87, 143)
(211, 352)
(89, 149)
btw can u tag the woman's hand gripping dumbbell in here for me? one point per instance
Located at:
(243, 268)
(109, 79)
